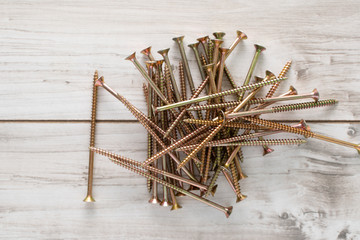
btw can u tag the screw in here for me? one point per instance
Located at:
(194, 47)
(165, 55)
(226, 210)
(204, 43)
(223, 52)
(240, 36)
(179, 41)
(217, 43)
(143, 72)
(147, 52)
(227, 124)
(314, 95)
(263, 142)
(200, 146)
(258, 50)
(305, 133)
(219, 35)
(209, 70)
(89, 197)
(285, 108)
(220, 94)
(276, 85)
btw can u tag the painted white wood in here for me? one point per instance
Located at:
(48, 53)
(305, 192)
(49, 50)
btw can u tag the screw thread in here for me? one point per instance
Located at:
(200, 146)
(210, 51)
(93, 110)
(265, 142)
(182, 81)
(235, 175)
(280, 126)
(306, 105)
(213, 181)
(227, 124)
(230, 78)
(207, 165)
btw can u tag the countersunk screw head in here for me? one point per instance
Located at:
(259, 48)
(267, 151)
(89, 198)
(219, 35)
(194, 45)
(228, 211)
(217, 42)
(269, 74)
(164, 52)
(165, 203)
(99, 82)
(154, 200)
(203, 39)
(150, 63)
(146, 51)
(240, 197)
(178, 39)
(293, 90)
(176, 207)
(316, 95)
(131, 57)
(224, 50)
(241, 34)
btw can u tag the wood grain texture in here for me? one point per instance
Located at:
(49, 50)
(305, 192)
(48, 53)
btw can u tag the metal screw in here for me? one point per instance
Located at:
(89, 197)
(147, 52)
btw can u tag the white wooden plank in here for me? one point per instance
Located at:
(306, 192)
(50, 50)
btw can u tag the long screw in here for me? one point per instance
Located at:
(285, 108)
(141, 119)
(314, 95)
(89, 197)
(179, 41)
(258, 50)
(147, 52)
(226, 210)
(305, 133)
(194, 47)
(165, 54)
(227, 124)
(220, 94)
(240, 36)
(223, 53)
(150, 168)
(263, 142)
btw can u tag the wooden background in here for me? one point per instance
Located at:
(48, 53)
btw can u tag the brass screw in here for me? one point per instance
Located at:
(165, 55)
(305, 133)
(179, 41)
(147, 52)
(89, 197)
(226, 210)
(194, 47)
(220, 94)
(258, 50)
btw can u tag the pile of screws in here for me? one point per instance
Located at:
(191, 144)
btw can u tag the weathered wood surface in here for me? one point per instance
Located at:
(48, 53)
(305, 192)
(50, 50)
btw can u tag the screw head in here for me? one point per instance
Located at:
(241, 35)
(259, 48)
(178, 39)
(217, 42)
(203, 39)
(267, 151)
(164, 52)
(131, 57)
(194, 45)
(146, 51)
(219, 35)
(89, 198)
(316, 95)
(293, 90)
(228, 211)
(176, 206)
(224, 50)
(240, 197)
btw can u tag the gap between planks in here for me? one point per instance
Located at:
(135, 121)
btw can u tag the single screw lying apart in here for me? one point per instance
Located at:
(89, 197)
